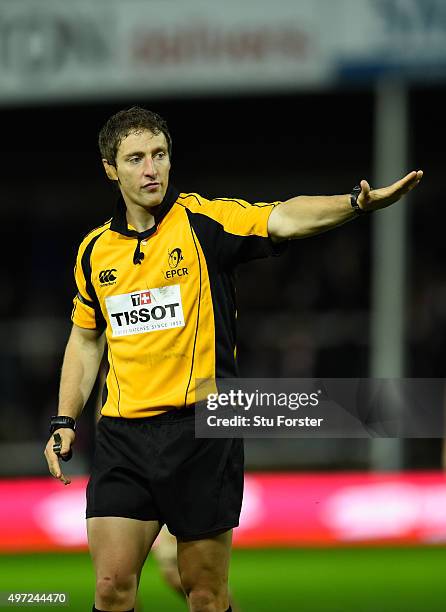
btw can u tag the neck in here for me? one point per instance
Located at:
(140, 218)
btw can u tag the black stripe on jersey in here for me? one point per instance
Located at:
(222, 293)
(233, 249)
(223, 251)
(241, 249)
(198, 314)
(189, 195)
(74, 309)
(81, 298)
(106, 368)
(233, 200)
(86, 269)
(104, 393)
(241, 203)
(116, 378)
(256, 205)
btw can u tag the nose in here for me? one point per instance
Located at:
(149, 168)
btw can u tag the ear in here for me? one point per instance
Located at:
(110, 170)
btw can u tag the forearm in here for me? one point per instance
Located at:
(304, 216)
(79, 370)
(309, 215)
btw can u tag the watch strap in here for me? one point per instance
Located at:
(59, 422)
(354, 195)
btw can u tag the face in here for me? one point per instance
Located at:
(142, 168)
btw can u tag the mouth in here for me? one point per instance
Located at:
(150, 186)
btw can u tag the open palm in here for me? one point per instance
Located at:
(374, 199)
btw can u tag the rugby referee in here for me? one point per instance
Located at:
(155, 286)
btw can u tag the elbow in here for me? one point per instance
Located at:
(280, 235)
(288, 223)
(293, 230)
(280, 225)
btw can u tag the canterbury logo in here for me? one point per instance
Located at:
(107, 276)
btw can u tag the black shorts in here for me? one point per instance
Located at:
(155, 469)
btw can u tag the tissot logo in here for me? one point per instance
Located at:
(149, 310)
(141, 298)
(107, 277)
(175, 256)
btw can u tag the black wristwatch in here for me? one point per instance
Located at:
(59, 422)
(354, 195)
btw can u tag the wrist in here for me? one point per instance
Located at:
(354, 195)
(62, 422)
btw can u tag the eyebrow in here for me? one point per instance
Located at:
(142, 153)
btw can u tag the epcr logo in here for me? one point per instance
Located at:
(42, 44)
(175, 257)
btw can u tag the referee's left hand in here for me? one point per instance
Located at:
(67, 438)
(374, 199)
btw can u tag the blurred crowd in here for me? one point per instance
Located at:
(305, 314)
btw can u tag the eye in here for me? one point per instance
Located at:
(160, 155)
(134, 160)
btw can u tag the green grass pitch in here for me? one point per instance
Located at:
(305, 580)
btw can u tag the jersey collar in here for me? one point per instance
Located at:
(119, 221)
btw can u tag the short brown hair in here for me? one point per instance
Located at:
(123, 123)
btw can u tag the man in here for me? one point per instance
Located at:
(155, 284)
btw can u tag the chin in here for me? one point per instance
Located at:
(151, 201)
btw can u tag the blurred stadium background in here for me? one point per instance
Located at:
(264, 101)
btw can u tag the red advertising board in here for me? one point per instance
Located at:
(289, 509)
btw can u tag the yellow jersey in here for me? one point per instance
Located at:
(166, 298)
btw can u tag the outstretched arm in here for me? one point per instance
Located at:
(304, 216)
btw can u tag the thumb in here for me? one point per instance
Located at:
(364, 196)
(365, 187)
(66, 445)
(66, 439)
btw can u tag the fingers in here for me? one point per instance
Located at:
(53, 459)
(385, 196)
(418, 176)
(54, 466)
(408, 182)
(64, 479)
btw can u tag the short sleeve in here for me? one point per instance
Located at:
(240, 231)
(83, 314)
(86, 311)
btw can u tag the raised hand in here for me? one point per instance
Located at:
(374, 199)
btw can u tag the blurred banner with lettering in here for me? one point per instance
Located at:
(280, 509)
(55, 50)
